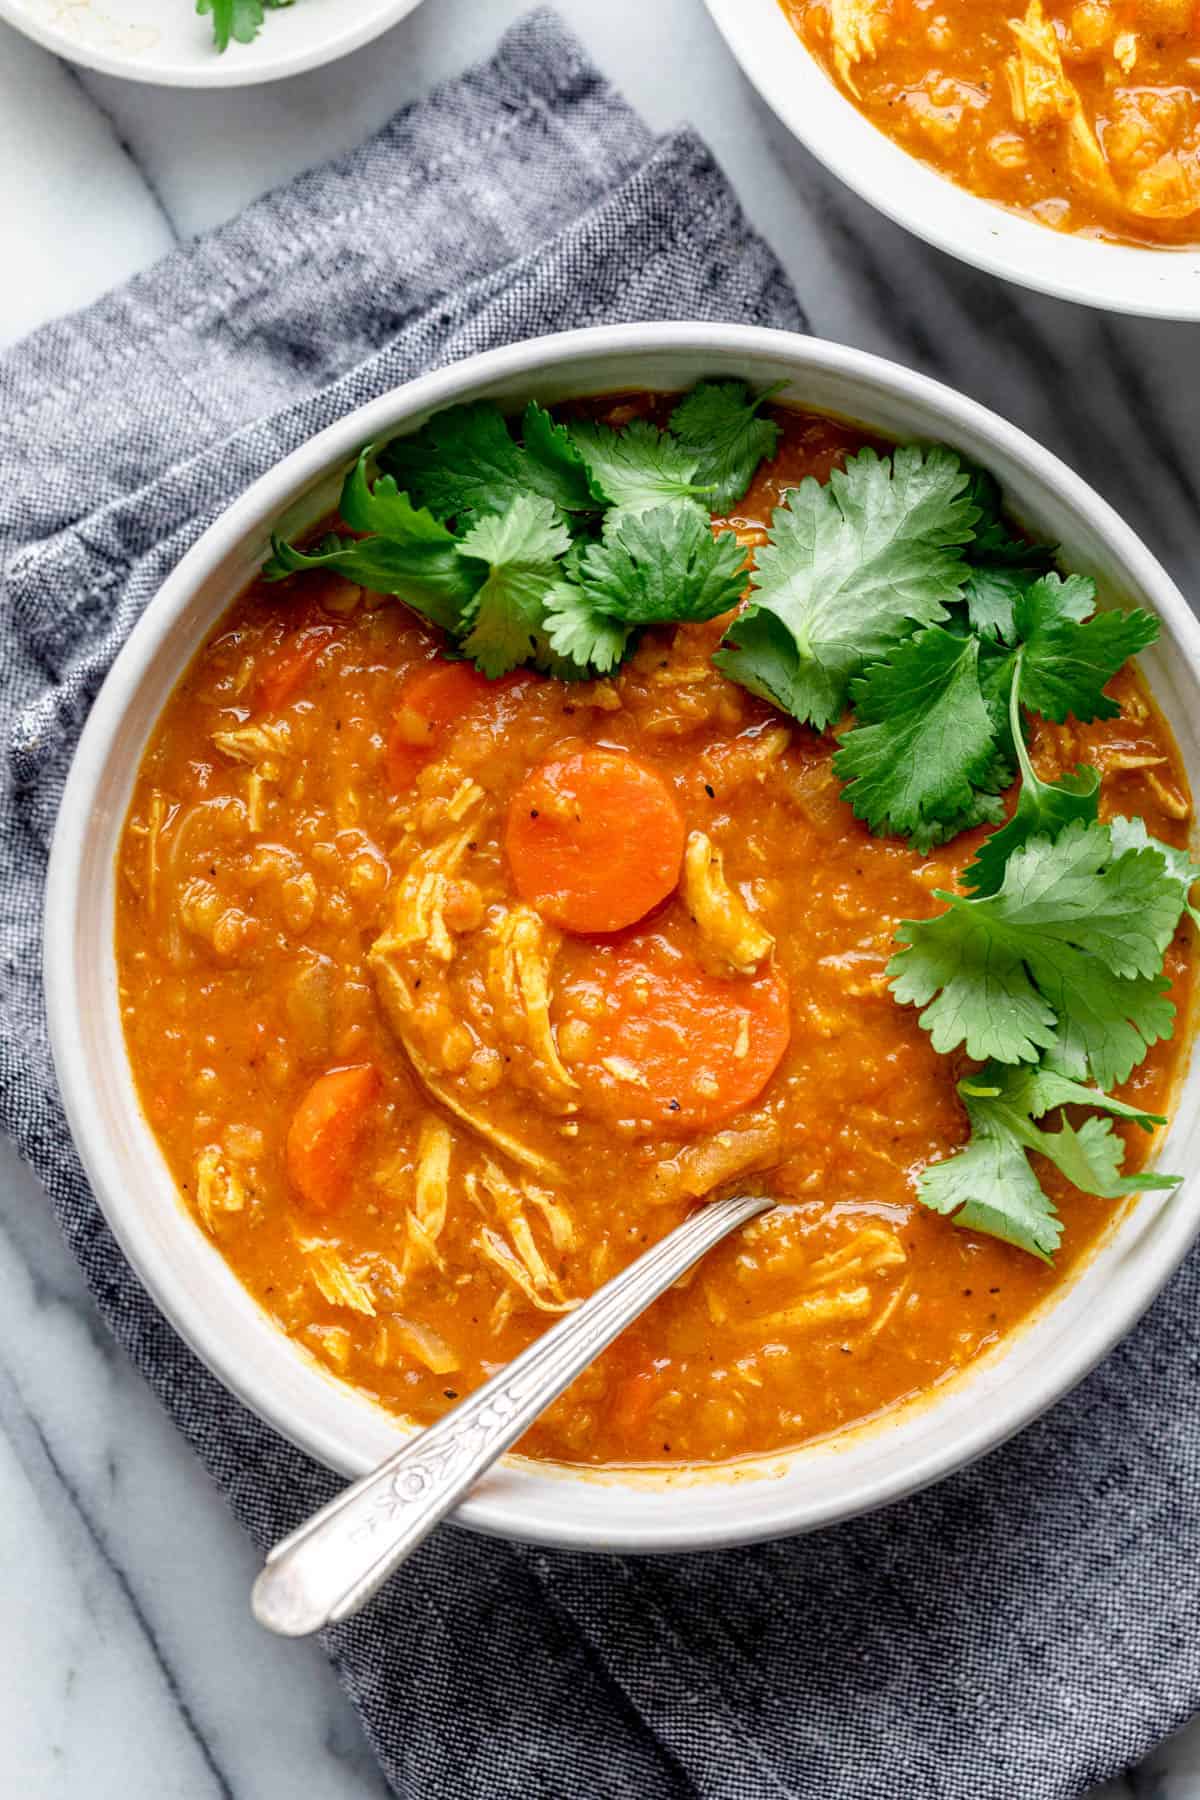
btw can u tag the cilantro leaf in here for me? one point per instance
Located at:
(1065, 956)
(1066, 662)
(652, 568)
(465, 462)
(577, 631)
(923, 743)
(237, 19)
(1132, 834)
(1043, 808)
(990, 1185)
(851, 567)
(721, 424)
(663, 565)
(555, 463)
(462, 461)
(1000, 565)
(410, 555)
(638, 467)
(384, 511)
(506, 619)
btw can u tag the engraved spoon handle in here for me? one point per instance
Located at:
(330, 1566)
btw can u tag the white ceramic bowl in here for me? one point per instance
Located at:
(180, 1265)
(1163, 284)
(167, 43)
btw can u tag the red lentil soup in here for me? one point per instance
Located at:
(427, 1085)
(1083, 114)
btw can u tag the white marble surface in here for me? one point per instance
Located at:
(129, 1666)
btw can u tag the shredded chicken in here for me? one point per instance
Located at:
(1038, 88)
(399, 1336)
(558, 1220)
(1168, 796)
(519, 980)
(731, 932)
(158, 815)
(431, 1194)
(477, 1119)
(857, 28)
(219, 1187)
(497, 1251)
(422, 900)
(334, 1280)
(1168, 189)
(871, 1251)
(492, 1192)
(1087, 161)
(838, 1283)
(815, 1310)
(1125, 50)
(707, 1165)
(261, 745)
(333, 1343)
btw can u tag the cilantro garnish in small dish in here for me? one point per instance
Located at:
(236, 21)
(893, 613)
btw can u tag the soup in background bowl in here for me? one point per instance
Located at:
(925, 135)
(1083, 116)
(532, 1086)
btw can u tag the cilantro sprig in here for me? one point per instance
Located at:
(239, 20)
(650, 568)
(990, 1185)
(850, 569)
(1065, 956)
(933, 740)
(1059, 966)
(726, 429)
(548, 543)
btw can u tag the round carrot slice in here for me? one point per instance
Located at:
(430, 701)
(325, 1132)
(594, 840)
(288, 666)
(669, 1045)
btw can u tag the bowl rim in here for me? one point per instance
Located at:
(231, 69)
(1121, 278)
(516, 1507)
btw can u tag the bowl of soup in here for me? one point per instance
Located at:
(1054, 144)
(413, 963)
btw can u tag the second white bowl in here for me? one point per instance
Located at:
(179, 1264)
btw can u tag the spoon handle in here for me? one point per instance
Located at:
(330, 1566)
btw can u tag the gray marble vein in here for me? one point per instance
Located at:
(131, 1668)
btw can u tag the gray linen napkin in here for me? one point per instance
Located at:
(1028, 1626)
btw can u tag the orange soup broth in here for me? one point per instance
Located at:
(1082, 114)
(258, 875)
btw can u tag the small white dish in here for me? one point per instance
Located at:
(1161, 284)
(168, 43)
(178, 1262)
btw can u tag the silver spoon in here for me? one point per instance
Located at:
(330, 1567)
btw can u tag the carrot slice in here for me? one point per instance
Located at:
(594, 840)
(668, 1045)
(325, 1132)
(285, 669)
(635, 1399)
(431, 700)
